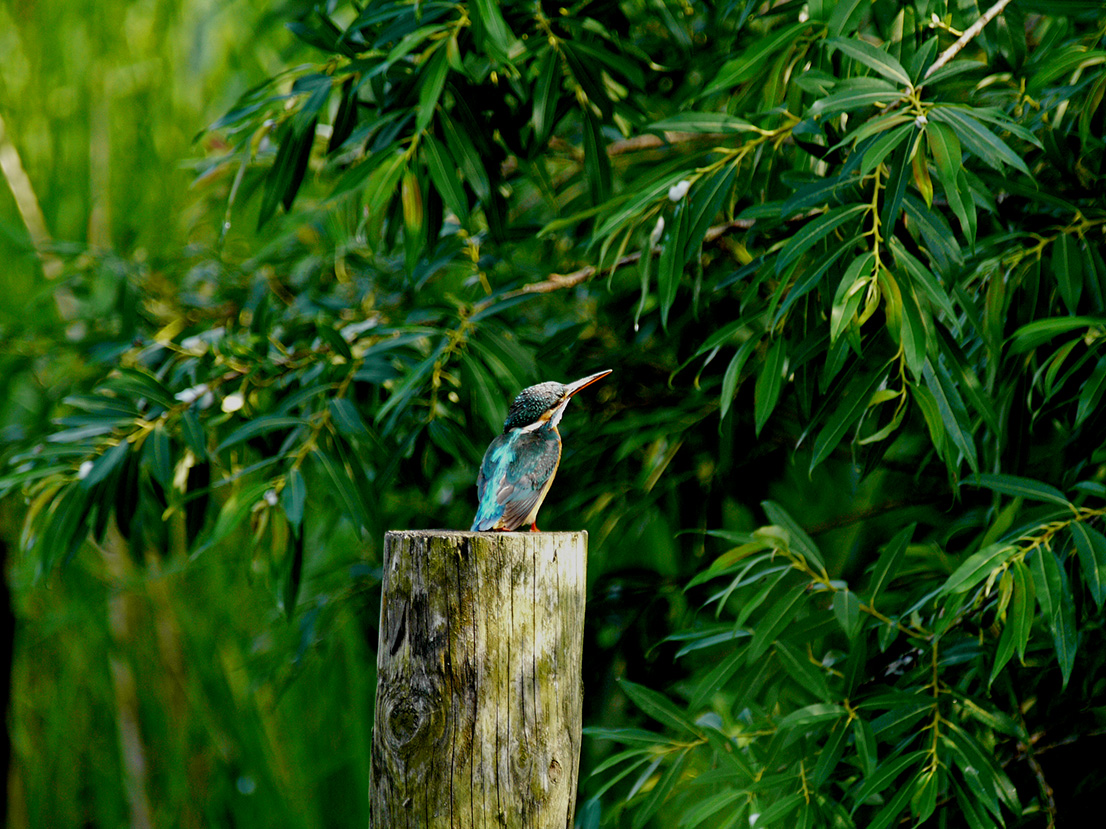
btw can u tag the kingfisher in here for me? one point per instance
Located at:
(519, 466)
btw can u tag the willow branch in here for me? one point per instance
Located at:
(967, 37)
(558, 281)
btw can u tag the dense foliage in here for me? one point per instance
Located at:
(846, 484)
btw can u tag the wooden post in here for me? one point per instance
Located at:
(478, 701)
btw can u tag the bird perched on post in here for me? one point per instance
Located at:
(519, 465)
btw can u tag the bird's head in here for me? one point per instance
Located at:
(543, 404)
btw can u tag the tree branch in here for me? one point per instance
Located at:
(967, 37)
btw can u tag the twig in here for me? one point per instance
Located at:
(965, 38)
(557, 281)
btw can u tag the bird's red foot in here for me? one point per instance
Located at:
(534, 527)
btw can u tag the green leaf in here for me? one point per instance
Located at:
(811, 714)
(886, 774)
(105, 464)
(488, 23)
(294, 575)
(660, 791)
(1057, 606)
(1090, 545)
(769, 382)
(798, 539)
(234, 511)
(342, 485)
(597, 163)
(856, 93)
(294, 497)
(865, 746)
(853, 402)
(775, 621)
(733, 373)
(883, 147)
(901, 173)
(889, 561)
(978, 566)
(431, 83)
(658, 706)
(751, 61)
(803, 670)
(444, 175)
(953, 414)
(944, 146)
(1038, 332)
(813, 232)
(846, 609)
(875, 59)
(257, 427)
(1067, 267)
(991, 149)
(1090, 394)
(1018, 487)
(979, 765)
(702, 122)
(670, 268)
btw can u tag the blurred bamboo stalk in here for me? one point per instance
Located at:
(121, 611)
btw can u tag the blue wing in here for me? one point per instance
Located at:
(513, 478)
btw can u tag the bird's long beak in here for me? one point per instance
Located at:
(583, 383)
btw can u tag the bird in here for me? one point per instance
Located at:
(520, 463)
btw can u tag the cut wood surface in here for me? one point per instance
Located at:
(479, 693)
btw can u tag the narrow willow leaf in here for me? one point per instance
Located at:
(889, 561)
(702, 122)
(294, 497)
(775, 620)
(1090, 545)
(1067, 267)
(546, 95)
(658, 706)
(1021, 614)
(830, 755)
(953, 414)
(751, 61)
(883, 147)
(257, 427)
(670, 268)
(865, 746)
(797, 538)
(813, 232)
(944, 146)
(733, 373)
(660, 791)
(854, 401)
(343, 486)
(294, 574)
(875, 59)
(1038, 332)
(1019, 487)
(444, 175)
(233, 512)
(1057, 606)
(991, 149)
(811, 714)
(896, 183)
(856, 93)
(597, 163)
(707, 199)
(431, 83)
(803, 671)
(105, 464)
(886, 774)
(979, 764)
(718, 676)
(846, 609)
(769, 382)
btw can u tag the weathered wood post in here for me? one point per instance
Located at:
(478, 701)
